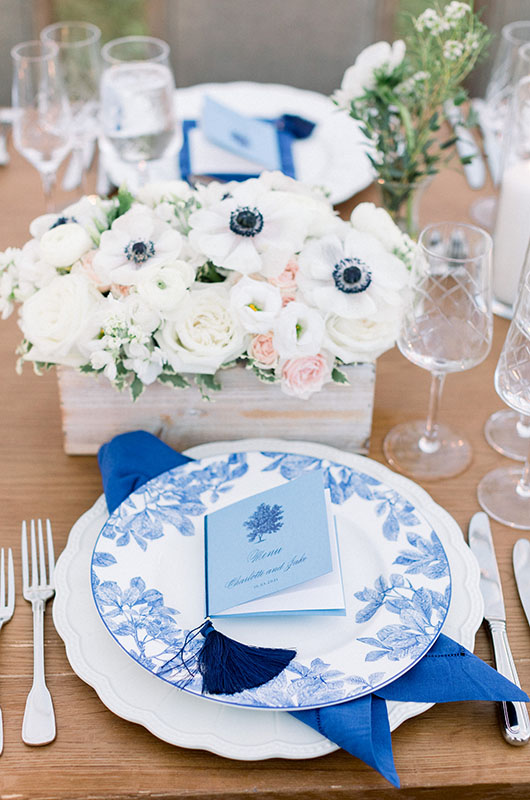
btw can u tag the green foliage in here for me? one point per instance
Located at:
(208, 274)
(114, 17)
(338, 376)
(173, 378)
(136, 387)
(206, 384)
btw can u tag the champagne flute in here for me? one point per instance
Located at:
(137, 105)
(447, 327)
(41, 123)
(505, 492)
(79, 60)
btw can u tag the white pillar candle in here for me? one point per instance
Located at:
(512, 231)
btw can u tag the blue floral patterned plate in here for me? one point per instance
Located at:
(148, 580)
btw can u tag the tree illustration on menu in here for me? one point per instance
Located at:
(265, 519)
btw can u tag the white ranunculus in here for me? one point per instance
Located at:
(360, 340)
(63, 245)
(298, 331)
(154, 193)
(369, 218)
(164, 287)
(256, 304)
(205, 335)
(60, 319)
(361, 75)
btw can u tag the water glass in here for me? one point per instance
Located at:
(80, 63)
(137, 98)
(505, 492)
(42, 121)
(447, 327)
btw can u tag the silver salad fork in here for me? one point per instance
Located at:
(7, 605)
(38, 726)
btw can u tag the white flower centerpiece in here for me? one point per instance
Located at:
(175, 285)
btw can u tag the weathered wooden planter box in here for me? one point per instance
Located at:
(340, 415)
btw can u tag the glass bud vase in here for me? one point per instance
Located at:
(402, 201)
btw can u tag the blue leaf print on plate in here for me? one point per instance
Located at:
(428, 558)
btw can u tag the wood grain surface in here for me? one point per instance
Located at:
(453, 750)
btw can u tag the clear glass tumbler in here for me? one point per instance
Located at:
(505, 492)
(447, 327)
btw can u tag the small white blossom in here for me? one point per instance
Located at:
(453, 49)
(430, 20)
(471, 41)
(256, 304)
(455, 11)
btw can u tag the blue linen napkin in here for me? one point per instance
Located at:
(448, 672)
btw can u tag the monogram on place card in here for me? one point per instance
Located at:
(274, 553)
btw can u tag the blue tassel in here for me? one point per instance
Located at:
(228, 667)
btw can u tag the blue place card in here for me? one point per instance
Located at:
(252, 139)
(275, 552)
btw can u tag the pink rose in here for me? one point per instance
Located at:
(286, 279)
(302, 377)
(86, 267)
(287, 298)
(261, 349)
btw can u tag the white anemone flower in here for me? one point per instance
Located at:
(137, 239)
(89, 212)
(256, 304)
(298, 331)
(250, 229)
(352, 277)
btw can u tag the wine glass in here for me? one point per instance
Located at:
(446, 327)
(137, 107)
(508, 431)
(79, 60)
(505, 492)
(41, 123)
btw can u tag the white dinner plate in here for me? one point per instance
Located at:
(334, 156)
(186, 720)
(148, 581)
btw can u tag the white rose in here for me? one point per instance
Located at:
(153, 193)
(163, 288)
(256, 304)
(206, 334)
(298, 331)
(360, 340)
(361, 75)
(60, 319)
(63, 245)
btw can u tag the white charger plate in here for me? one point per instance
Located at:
(186, 720)
(334, 156)
(149, 561)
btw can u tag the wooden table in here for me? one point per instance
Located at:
(454, 749)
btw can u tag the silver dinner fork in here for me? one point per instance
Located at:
(7, 605)
(38, 726)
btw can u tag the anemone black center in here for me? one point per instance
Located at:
(139, 251)
(62, 221)
(352, 275)
(246, 221)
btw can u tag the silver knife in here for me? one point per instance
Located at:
(514, 718)
(521, 568)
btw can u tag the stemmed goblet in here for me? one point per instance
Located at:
(447, 327)
(41, 122)
(505, 492)
(80, 63)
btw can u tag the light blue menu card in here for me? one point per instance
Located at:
(274, 553)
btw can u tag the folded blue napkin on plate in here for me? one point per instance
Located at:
(448, 672)
(289, 127)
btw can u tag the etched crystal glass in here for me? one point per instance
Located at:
(505, 492)
(447, 327)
